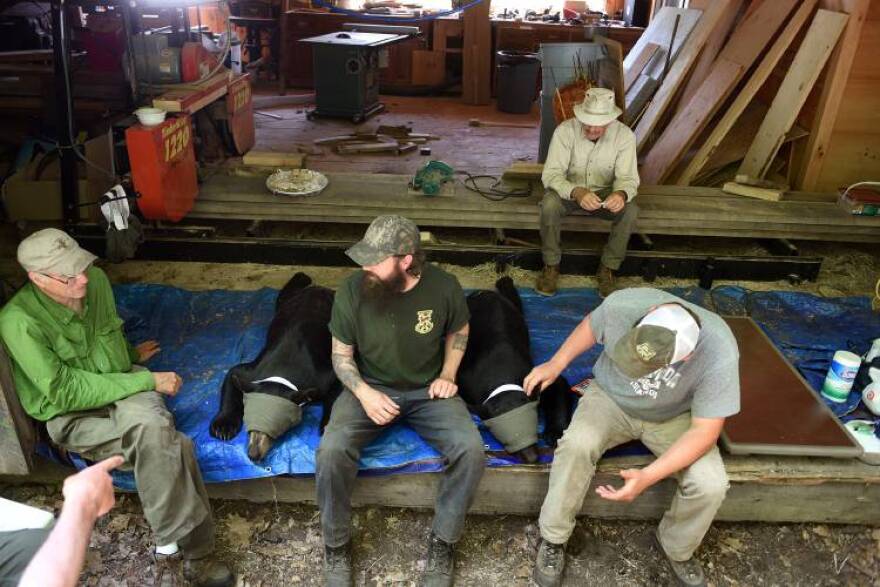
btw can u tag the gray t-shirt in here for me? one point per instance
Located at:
(706, 384)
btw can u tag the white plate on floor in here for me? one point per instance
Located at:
(297, 182)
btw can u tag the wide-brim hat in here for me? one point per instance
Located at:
(386, 236)
(53, 251)
(598, 107)
(516, 429)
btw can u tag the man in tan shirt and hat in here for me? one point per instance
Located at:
(591, 170)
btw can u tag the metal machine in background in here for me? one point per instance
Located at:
(347, 67)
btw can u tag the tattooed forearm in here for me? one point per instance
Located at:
(459, 341)
(344, 365)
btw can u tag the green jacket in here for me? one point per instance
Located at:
(63, 362)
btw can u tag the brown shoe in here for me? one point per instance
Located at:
(546, 283)
(208, 572)
(169, 570)
(606, 279)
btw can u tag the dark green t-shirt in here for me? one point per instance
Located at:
(401, 345)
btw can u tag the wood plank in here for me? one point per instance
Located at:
(659, 32)
(710, 52)
(476, 54)
(688, 122)
(638, 64)
(678, 71)
(273, 159)
(770, 489)
(17, 432)
(743, 48)
(750, 191)
(766, 489)
(747, 93)
(803, 73)
(839, 68)
(612, 69)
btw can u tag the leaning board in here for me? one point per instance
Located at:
(780, 413)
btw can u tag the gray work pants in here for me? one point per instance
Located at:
(17, 548)
(444, 423)
(599, 424)
(168, 479)
(554, 208)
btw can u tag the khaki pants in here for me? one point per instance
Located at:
(554, 208)
(168, 480)
(599, 424)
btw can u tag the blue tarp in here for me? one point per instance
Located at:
(202, 334)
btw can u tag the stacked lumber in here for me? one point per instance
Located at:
(731, 99)
(664, 210)
(385, 139)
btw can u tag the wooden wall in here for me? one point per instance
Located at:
(849, 150)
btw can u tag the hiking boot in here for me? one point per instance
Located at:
(169, 570)
(546, 283)
(606, 279)
(441, 563)
(337, 565)
(549, 564)
(207, 572)
(688, 573)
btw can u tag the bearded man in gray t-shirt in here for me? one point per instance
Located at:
(668, 376)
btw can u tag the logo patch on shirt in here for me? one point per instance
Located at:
(424, 325)
(645, 351)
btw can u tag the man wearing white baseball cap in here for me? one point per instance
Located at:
(590, 170)
(668, 376)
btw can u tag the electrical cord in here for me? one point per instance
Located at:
(492, 193)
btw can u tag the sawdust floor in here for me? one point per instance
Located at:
(280, 544)
(475, 149)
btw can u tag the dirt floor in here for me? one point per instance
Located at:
(280, 544)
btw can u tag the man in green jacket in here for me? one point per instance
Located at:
(75, 371)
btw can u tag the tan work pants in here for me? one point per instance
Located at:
(169, 483)
(599, 424)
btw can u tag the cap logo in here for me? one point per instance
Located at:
(645, 351)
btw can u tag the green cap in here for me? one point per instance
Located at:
(270, 414)
(53, 251)
(386, 236)
(667, 334)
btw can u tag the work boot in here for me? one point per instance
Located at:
(337, 565)
(441, 563)
(687, 573)
(549, 564)
(207, 572)
(606, 279)
(546, 283)
(169, 570)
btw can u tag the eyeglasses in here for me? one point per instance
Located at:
(64, 281)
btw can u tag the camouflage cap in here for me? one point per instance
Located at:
(53, 251)
(386, 236)
(666, 335)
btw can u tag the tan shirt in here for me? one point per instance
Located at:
(574, 161)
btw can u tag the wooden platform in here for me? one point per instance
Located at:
(764, 489)
(665, 210)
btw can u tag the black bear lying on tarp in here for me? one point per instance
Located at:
(495, 363)
(293, 369)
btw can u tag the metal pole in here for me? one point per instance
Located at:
(64, 113)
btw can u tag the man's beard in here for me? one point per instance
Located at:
(380, 292)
